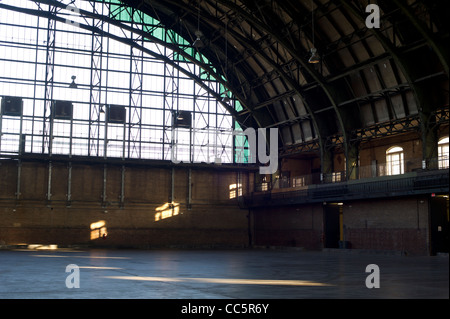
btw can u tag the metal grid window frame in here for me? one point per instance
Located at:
(41, 53)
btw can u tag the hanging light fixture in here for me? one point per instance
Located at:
(198, 43)
(73, 85)
(315, 58)
(226, 99)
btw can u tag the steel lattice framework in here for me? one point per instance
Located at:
(370, 82)
(120, 59)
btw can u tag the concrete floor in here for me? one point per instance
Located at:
(206, 274)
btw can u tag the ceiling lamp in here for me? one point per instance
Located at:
(73, 85)
(314, 55)
(198, 43)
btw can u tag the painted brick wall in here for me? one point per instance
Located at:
(388, 224)
(396, 224)
(213, 219)
(297, 226)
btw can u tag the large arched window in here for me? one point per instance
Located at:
(394, 161)
(443, 153)
(97, 78)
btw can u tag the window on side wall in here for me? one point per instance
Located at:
(443, 153)
(235, 190)
(395, 161)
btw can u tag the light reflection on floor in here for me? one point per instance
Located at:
(102, 268)
(88, 257)
(229, 281)
(187, 274)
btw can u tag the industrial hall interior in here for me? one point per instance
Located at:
(309, 125)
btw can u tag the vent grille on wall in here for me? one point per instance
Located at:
(62, 110)
(12, 106)
(116, 114)
(182, 119)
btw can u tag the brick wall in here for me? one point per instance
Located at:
(295, 226)
(397, 224)
(388, 224)
(212, 219)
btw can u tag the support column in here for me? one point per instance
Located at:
(69, 185)
(352, 161)
(428, 125)
(429, 135)
(326, 161)
(49, 182)
(172, 185)
(189, 198)
(104, 196)
(1, 132)
(95, 85)
(135, 91)
(19, 177)
(122, 187)
(47, 129)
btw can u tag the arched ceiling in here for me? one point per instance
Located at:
(368, 78)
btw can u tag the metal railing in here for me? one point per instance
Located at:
(359, 173)
(412, 183)
(369, 182)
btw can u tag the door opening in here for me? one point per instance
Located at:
(333, 224)
(439, 228)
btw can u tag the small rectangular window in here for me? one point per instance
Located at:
(235, 190)
(443, 153)
(298, 181)
(394, 161)
(336, 177)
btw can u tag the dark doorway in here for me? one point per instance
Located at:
(439, 220)
(332, 225)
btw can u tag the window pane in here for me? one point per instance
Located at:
(107, 72)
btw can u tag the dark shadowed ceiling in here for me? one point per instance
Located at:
(369, 81)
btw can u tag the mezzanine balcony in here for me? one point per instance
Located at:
(372, 182)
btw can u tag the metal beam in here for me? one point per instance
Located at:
(331, 94)
(420, 91)
(439, 48)
(129, 42)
